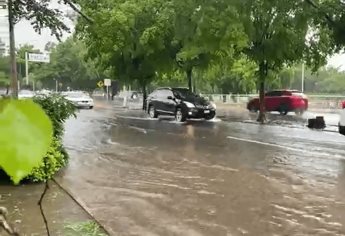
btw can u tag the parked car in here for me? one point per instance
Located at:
(79, 99)
(25, 94)
(342, 120)
(283, 101)
(181, 103)
(132, 95)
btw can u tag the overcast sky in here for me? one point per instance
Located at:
(25, 34)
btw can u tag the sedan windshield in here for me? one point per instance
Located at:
(183, 93)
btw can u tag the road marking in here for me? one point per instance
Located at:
(314, 153)
(266, 144)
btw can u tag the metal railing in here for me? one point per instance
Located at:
(322, 101)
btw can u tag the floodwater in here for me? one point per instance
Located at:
(156, 177)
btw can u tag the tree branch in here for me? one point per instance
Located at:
(75, 8)
(4, 224)
(328, 18)
(46, 187)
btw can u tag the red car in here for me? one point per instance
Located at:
(282, 101)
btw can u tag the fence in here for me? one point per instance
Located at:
(315, 101)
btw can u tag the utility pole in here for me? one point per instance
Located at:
(14, 78)
(302, 78)
(27, 67)
(56, 85)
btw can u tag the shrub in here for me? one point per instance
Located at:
(54, 160)
(58, 108)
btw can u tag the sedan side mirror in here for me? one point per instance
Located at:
(170, 98)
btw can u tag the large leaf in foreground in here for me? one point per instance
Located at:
(25, 136)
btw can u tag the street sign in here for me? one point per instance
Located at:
(100, 84)
(3, 4)
(37, 57)
(107, 82)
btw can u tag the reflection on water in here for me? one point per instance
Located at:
(151, 177)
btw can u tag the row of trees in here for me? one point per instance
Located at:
(69, 67)
(141, 40)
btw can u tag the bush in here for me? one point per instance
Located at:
(54, 160)
(58, 108)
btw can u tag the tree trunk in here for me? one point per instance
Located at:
(262, 77)
(144, 96)
(14, 78)
(194, 85)
(7, 89)
(189, 77)
(212, 87)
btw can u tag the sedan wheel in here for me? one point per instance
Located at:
(299, 112)
(152, 112)
(342, 130)
(210, 117)
(253, 109)
(179, 116)
(283, 109)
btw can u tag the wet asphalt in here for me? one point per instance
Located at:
(140, 176)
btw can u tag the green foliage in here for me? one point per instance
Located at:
(58, 109)
(69, 66)
(128, 37)
(41, 14)
(25, 135)
(205, 32)
(52, 162)
(237, 76)
(139, 42)
(329, 17)
(88, 228)
(326, 80)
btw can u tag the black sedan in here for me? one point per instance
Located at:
(181, 103)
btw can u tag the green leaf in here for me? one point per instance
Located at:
(25, 135)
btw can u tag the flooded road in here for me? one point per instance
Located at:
(157, 177)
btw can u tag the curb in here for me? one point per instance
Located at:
(80, 203)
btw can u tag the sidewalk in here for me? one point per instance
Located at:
(24, 213)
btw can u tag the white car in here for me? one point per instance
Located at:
(25, 94)
(79, 99)
(342, 120)
(130, 95)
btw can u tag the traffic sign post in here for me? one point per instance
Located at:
(34, 57)
(100, 84)
(107, 83)
(39, 57)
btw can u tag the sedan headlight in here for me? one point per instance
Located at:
(189, 105)
(213, 105)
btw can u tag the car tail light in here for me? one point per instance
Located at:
(343, 105)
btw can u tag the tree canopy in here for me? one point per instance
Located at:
(69, 67)
(226, 45)
(41, 14)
